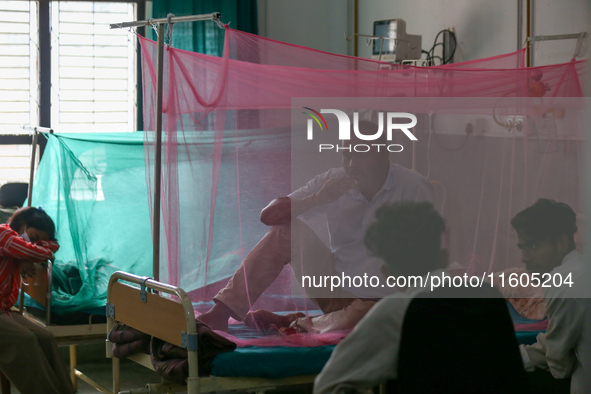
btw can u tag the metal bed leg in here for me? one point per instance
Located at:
(116, 376)
(5, 384)
(73, 367)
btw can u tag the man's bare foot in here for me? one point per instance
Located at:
(267, 321)
(217, 317)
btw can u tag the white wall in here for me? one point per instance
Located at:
(311, 23)
(560, 17)
(483, 27)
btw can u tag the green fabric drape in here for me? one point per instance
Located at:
(206, 37)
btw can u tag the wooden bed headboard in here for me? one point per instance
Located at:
(161, 317)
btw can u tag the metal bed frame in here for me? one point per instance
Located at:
(173, 321)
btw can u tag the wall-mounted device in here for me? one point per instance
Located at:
(396, 45)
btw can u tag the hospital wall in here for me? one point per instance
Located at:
(484, 28)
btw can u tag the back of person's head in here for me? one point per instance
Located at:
(407, 236)
(546, 220)
(35, 218)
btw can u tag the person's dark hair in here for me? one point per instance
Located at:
(367, 127)
(35, 218)
(546, 220)
(407, 236)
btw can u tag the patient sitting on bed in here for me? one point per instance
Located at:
(349, 197)
(562, 354)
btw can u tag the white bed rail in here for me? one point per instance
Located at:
(167, 319)
(147, 312)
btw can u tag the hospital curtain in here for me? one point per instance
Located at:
(206, 37)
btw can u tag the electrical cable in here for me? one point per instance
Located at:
(432, 121)
(431, 52)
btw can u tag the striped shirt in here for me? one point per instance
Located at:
(14, 250)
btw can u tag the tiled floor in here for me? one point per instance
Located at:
(133, 376)
(92, 363)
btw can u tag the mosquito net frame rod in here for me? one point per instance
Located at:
(557, 37)
(34, 142)
(215, 16)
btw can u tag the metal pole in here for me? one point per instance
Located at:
(519, 24)
(32, 169)
(528, 30)
(21, 305)
(216, 16)
(557, 37)
(356, 28)
(158, 154)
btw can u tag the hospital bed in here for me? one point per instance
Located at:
(146, 305)
(172, 320)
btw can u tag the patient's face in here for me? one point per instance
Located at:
(539, 256)
(363, 166)
(34, 234)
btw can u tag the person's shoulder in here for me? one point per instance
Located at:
(404, 175)
(574, 275)
(6, 233)
(5, 228)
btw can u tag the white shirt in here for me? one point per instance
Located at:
(565, 348)
(368, 356)
(350, 215)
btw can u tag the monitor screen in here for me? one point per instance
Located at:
(385, 29)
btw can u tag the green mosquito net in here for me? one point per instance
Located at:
(94, 188)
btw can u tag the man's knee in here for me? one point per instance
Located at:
(44, 336)
(23, 336)
(282, 231)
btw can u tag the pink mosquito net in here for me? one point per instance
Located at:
(492, 137)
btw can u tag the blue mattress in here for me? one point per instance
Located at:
(282, 362)
(271, 362)
(527, 337)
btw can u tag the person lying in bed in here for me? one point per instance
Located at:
(349, 197)
(29, 356)
(545, 234)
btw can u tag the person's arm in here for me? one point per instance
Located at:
(20, 249)
(281, 210)
(27, 269)
(368, 356)
(554, 350)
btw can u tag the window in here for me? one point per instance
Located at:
(93, 73)
(93, 68)
(19, 80)
(15, 163)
